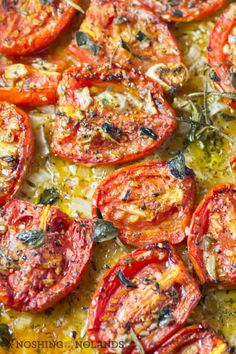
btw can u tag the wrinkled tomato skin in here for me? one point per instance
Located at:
(27, 27)
(37, 88)
(222, 63)
(19, 164)
(184, 11)
(38, 277)
(116, 308)
(199, 338)
(82, 141)
(102, 20)
(145, 186)
(211, 245)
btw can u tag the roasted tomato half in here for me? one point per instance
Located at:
(130, 36)
(27, 26)
(16, 149)
(184, 10)
(109, 116)
(25, 85)
(43, 255)
(212, 243)
(146, 297)
(221, 55)
(147, 203)
(196, 339)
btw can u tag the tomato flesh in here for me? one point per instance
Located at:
(146, 203)
(16, 149)
(43, 255)
(211, 244)
(184, 10)
(200, 339)
(156, 305)
(108, 116)
(28, 26)
(221, 55)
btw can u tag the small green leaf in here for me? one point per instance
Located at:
(31, 238)
(165, 316)
(227, 117)
(140, 36)
(5, 5)
(143, 131)
(83, 41)
(104, 231)
(178, 168)
(49, 196)
(125, 281)
(5, 335)
(114, 132)
(234, 80)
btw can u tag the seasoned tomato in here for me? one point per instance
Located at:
(27, 85)
(130, 36)
(146, 203)
(196, 339)
(109, 116)
(27, 26)
(184, 10)
(43, 254)
(16, 149)
(146, 297)
(212, 243)
(221, 55)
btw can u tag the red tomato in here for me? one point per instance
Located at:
(212, 243)
(28, 26)
(200, 339)
(221, 55)
(147, 295)
(146, 203)
(130, 36)
(25, 85)
(43, 255)
(109, 116)
(184, 10)
(16, 149)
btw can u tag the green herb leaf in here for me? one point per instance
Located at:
(227, 117)
(178, 168)
(114, 132)
(165, 316)
(140, 36)
(125, 281)
(49, 196)
(31, 238)
(234, 80)
(5, 335)
(137, 342)
(104, 231)
(143, 131)
(5, 5)
(125, 46)
(83, 41)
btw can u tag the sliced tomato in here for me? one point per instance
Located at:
(146, 203)
(25, 85)
(184, 10)
(147, 295)
(43, 255)
(28, 26)
(199, 339)
(109, 116)
(16, 149)
(221, 55)
(211, 243)
(129, 36)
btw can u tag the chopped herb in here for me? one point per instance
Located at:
(5, 5)
(213, 76)
(143, 131)
(227, 117)
(125, 281)
(165, 316)
(177, 166)
(5, 335)
(140, 36)
(49, 196)
(99, 214)
(207, 241)
(31, 238)
(234, 80)
(75, 6)
(120, 20)
(83, 41)
(104, 231)
(114, 132)
(127, 195)
(177, 13)
(125, 46)
(137, 342)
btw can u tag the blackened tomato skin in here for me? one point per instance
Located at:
(154, 303)
(146, 203)
(211, 245)
(48, 252)
(17, 154)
